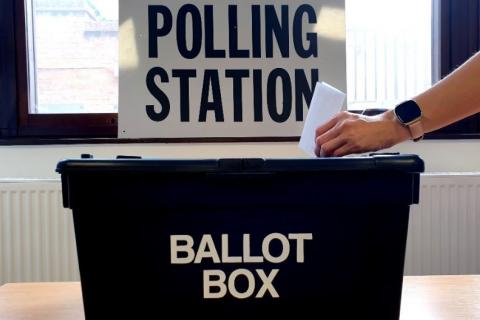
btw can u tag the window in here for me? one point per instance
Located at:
(75, 41)
(73, 56)
(389, 51)
(390, 58)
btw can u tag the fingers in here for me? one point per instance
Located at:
(328, 149)
(340, 136)
(328, 131)
(330, 124)
(326, 127)
(343, 150)
(329, 136)
(326, 137)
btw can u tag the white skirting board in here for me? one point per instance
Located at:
(37, 239)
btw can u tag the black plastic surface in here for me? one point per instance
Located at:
(404, 163)
(356, 210)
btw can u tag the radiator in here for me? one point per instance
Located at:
(36, 234)
(37, 238)
(444, 230)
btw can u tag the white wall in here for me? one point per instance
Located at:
(39, 162)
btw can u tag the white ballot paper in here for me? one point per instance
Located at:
(326, 102)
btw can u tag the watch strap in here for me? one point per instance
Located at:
(416, 130)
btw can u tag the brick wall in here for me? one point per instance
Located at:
(76, 62)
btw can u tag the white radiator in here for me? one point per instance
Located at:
(444, 231)
(37, 238)
(36, 234)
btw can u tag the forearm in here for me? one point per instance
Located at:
(452, 99)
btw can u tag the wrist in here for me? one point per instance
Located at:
(399, 132)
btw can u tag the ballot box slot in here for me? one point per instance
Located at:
(254, 176)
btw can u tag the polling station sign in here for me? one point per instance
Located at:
(225, 69)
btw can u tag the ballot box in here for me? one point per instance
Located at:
(232, 238)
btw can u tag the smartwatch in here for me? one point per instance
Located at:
(409, 114)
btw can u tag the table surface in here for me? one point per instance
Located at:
(431, 297)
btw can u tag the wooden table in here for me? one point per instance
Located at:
(435, 297)
(441, 297)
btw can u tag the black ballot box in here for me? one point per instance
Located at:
(234, 238)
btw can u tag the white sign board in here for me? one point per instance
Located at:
(233, 69)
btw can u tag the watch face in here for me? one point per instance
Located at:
(408, 111)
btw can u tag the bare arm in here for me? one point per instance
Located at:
(452, 99)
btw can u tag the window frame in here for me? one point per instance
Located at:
(8, 90)
(102, 125)
(18, 126)
(460, 40)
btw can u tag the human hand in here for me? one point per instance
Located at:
(349, 133)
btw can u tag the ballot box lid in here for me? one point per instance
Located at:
(160, 183)
(373, 162)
